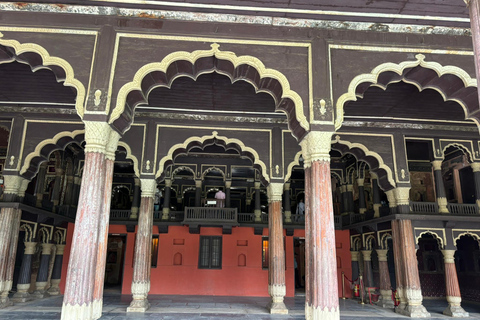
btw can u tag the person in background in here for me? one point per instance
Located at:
(220, 195)
(300, 210)
(156, 203)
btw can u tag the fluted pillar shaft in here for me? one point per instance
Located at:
(57, 271)
(439, 186)
(355, 266)
(276, 259)
(135, 200)
(42, 276)
(362, 204)
(40, 186)
(143, 249)
(84, 283)
(321, 296)
(24, 278)
(376, 196)
(166, 196)
(454, 298)
(257, 211)
(385, 283)
(287, 204)
(403, 230)
(367, 268)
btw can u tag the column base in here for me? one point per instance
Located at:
(386, 302)
(139, 306)
(413, 311)
(277, 308)
(5, 302)
(75, 312)
(22, 297)
(325, 314)
(54, 289)
(456, 312)
(40, 294)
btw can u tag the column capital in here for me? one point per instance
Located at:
(367, 255)
(112, 145)
(402, 196)
(355, 255)
(349, 187)
(373, 175)
(30, 247)
(257, 185)
(77, 180)
(15, 184)
(60, 249)
(149, 186)
(198, 183)
(47, 247)
(343, 188)
(437, 165)
(392, 203)
(286, 186)
(382, 254)
(97, 135)
(275, 191)
(475, 166)
(137, 182)
(168, 182)
(360, 182)
(59, 172)
(316, 146)
(448, 256)
(228, 184)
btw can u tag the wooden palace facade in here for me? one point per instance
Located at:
(344, 138)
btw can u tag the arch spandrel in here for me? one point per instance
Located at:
(241, 142)
(452, 82)
(192, 64)
(38, 58)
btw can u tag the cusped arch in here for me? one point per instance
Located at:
(453, 83)
(336, 175)
(373, 159)
(295, 162)
(46, 147)
(38, 58)
(370, 242)
(383, 243)
(356, 244)
(182, 168)
(196, 63)
(460, 146)
(214, 138)
(130, 156)
(208, 170)
(188, 189)
(469, 234)
(436, 236)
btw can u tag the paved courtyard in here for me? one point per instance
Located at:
(215, 307)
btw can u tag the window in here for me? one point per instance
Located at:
(154, 250)
(264, 252)
(210, 255)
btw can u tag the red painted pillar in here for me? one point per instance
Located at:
(143, 249)
(322, 292)
(408, 265)
(474, 8)
(385, 283)
(454, 298)
(276, 260)
(82, 298)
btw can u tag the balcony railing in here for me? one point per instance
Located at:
(462, 208)
(423, 207)
(246, 217)
(210, 215)
(120, 214)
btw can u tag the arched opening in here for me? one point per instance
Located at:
(431, 266)
(467, 262)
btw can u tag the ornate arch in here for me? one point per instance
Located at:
(214, 138)
(204, 173)
(188, 189)
(38, 58)
(373, 159)
(182, 168)
(461, 147)
(440, 241)
(295, 162)
(370, 240)
(467, 233)
(196, 63)
(357, 243)
(46, 147)
(460, 87)
(350, 175)
(131, 157)
(337, 175)
(383, 240)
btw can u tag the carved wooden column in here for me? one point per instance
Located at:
(57, 271)
(287, 206)
(15, 187)
(411, 281)
(439, 186)
(57, 187)
(367, 268)
(258, 209)
(198, 193)
(78, 301)
(166, 198)
(322, 292)
(399, 271)
(24, 278)
(376, 195)
(276, 259)
(136, 200)
(474, 8)
(385, 283)
(476, 175)
(40, 186)
(42, 276)
(355, 266)
(228, 186)
(143, 249)
(362, 204)
(454, 298)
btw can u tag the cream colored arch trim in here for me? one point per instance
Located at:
(213, 169)
(131, 157)
(357, 243)
(466, 233)
(295, 162)
(382, 165)
(337, 176)
(439, 239)
(383, 240)
(70, 80)
(214, 135)
(181, 168)
(369, 240)
(39, 147)
(188, 189)
(399, 68)
(215, 52)
(459, 146)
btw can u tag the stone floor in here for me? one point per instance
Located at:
(215, 307)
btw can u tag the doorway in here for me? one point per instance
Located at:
(299, 256)
(115, 262)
